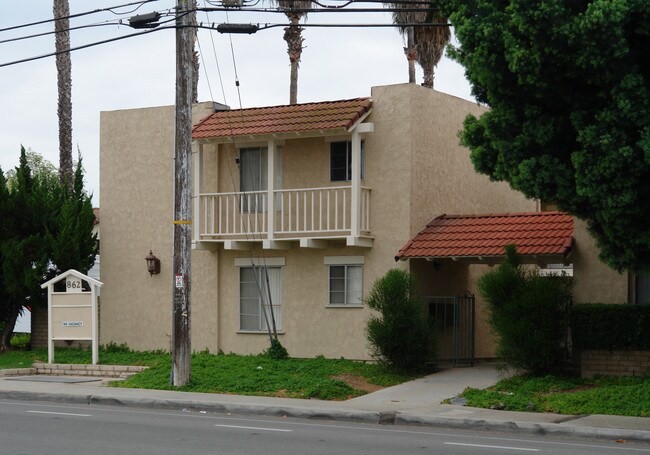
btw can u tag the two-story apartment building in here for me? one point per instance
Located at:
(310, 201)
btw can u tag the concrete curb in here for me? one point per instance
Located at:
(315, 413)
(525, 427)
(179, 405)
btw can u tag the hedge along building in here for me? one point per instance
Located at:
(323, 194)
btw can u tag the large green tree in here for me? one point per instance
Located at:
(23, 257)
(70, 238)
(568, 86)
(46, 229)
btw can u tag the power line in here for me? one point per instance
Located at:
(85, 46)
(85, 13)
(52, 32)
(324, 10)
(234, 28)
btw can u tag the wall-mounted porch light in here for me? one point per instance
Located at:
(153, 264)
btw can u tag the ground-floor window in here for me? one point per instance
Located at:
(254, 306)
(346, 284)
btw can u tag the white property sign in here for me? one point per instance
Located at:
(71, 310)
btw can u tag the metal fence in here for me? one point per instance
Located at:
(453, 320)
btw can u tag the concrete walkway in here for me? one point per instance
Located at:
(412, 403)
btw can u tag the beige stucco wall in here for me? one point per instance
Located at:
(136, 191)
(310, 327)
(413, 165)
(440, 175)
(485, 338)
(594, 282)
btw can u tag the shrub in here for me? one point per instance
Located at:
(610, 326)
(22, 341)
(399, 336)
(276, 350)
(113, 347)
(529, 314)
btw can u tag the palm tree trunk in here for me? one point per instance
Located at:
(294, 39)
(427, 77)
(61, 10)
(409, 50)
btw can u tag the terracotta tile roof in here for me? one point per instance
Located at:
(282, 119)
(471, 236)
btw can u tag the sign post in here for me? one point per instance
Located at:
(72, 310)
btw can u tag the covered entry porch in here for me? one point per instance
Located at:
(452, 252)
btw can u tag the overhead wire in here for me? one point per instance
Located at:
(84, 46)
(85, 13)
(214, 51)
(52, 32)
(210, 27)
(205, 70)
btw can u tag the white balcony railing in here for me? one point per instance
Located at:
(298, 213)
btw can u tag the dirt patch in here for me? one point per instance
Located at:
(358, 383)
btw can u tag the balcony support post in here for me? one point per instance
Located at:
(355, 192)
(270, 198)
(197, 157)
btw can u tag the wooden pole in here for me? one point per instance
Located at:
(181, 317)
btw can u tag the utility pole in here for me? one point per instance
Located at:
(181, 314)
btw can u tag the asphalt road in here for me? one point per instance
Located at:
(40, 428)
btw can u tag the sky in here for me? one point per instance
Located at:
(337, 63)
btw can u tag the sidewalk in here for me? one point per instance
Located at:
(412, 403)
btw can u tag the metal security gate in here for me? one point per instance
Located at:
(453, 320)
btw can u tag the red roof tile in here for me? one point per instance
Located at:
(282, 119)
(457, 236)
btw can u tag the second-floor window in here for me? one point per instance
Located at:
(252, 169)
(341, 161)
(253, 165)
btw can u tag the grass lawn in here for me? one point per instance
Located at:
(628, 396)
(329, 379)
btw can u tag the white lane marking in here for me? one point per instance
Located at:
(490, 447)
(60, 413)
(253, 428)
(105, 409)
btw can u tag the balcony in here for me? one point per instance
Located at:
(312, 216)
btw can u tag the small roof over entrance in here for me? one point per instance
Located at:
(278, 120)
(540, 237)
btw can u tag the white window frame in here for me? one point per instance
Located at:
(270, 263)
(347, 262)
(348, 161)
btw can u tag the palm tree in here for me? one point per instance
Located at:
(423, 44)
(401, 18)
(61, 10)
(294, 39)
(430, 43)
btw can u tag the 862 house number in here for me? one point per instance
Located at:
(73, 285)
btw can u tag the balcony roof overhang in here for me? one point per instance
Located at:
(540, 237)
(279, 123)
